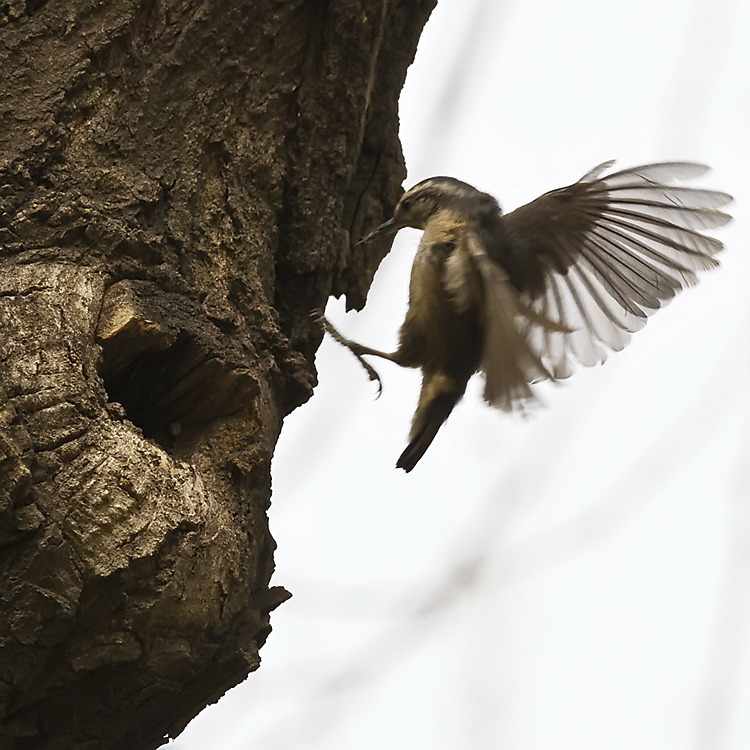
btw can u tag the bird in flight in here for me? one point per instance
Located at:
(525, 296)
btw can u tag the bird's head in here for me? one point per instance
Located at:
(430, 197)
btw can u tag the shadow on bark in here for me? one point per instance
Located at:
(180, 183)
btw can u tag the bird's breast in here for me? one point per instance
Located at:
(442, 330)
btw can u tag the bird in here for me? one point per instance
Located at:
(526, 296)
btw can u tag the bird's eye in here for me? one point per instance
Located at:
(405, 204)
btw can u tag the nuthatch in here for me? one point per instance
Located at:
(522, 297)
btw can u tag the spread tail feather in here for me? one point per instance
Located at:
(440, 393)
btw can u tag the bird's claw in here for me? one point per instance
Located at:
(319, 317)
(371, 372)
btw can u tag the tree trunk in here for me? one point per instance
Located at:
(180, 185)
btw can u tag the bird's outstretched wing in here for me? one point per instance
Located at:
(510, 360)
(590, 262)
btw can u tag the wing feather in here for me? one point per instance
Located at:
(610, 250)
(510, 362)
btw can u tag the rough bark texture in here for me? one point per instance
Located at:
(180, 184)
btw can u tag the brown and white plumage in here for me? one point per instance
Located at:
(562, 280)
(636, 242)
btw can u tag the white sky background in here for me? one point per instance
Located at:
(576, 580)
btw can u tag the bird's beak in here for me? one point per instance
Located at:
(389, 227)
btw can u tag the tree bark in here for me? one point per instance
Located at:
(180, 185)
